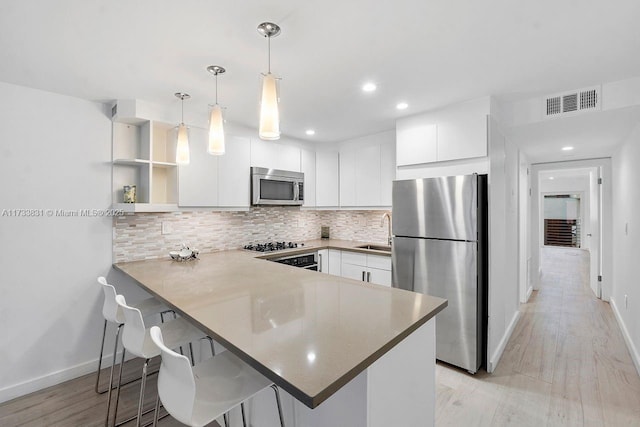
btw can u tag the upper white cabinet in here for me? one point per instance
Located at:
(367, 169)
(453, 133)
(416, 142)
(215, 181)
(327, 178)
(267, 154)
(308, 166)
(234, 182)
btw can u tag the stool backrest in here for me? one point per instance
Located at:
(110, 309)
(134, 334)
(176, 385)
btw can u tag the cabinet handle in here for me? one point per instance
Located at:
(369, 276)
(363, 276)
(320, 263)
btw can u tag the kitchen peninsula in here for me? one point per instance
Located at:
(352, 353)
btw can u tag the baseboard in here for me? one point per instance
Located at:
(635, 356)
(495, 357)
(54, 378)
(529, 292)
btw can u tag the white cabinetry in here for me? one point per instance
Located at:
(143, 154)
(327, 178)
(308, 166)
(366, 267)
(367, 169)
(267, 154)
(233, 173)
(335, 262)
(215, 181)
(453, 133)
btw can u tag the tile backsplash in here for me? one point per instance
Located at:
(139, 236)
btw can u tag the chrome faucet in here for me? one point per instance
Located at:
(388, 216)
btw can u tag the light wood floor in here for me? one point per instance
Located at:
(566, 363)
(75, 404)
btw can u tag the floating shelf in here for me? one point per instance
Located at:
(131, 162)
(145, 207)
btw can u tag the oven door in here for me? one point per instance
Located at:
(273, 188)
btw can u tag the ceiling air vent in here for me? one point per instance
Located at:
(571, 103)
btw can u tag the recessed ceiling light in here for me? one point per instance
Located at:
(402, 106)
(310, 132)
(567, 148)
(369, 87)
(551, 177)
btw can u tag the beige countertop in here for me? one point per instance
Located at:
(309, 332)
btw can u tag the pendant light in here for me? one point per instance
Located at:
(182, 147)
(269, 114)
(216, 123)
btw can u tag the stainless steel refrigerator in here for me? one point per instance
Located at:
(440, 249)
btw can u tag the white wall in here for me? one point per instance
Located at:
(503, 243)
(524, 229)
(626, 250)
(55, 154)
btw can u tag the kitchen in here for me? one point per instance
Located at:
(70, 252)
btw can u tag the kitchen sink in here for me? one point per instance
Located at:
(375, 247)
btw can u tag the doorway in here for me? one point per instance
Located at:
(568, 213)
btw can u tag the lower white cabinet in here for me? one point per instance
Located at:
(335, 262)
(365, 267)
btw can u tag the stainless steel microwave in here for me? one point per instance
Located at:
(276, 187)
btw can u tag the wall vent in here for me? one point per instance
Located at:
(571, 103)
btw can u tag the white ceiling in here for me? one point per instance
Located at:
(427, 53)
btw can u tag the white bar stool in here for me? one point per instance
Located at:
(112, 313)
(136, 339)
(197, 396)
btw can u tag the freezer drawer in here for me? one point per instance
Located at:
(440, 208)
(446, 269)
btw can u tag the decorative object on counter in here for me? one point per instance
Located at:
(269, 114)
(272, 246)
(184, 254)
(216, 122)
(182, 148)
(129, 193)
(324, 232)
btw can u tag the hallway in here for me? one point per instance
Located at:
(566, 363)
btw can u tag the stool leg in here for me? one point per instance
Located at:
(244, 417)
(226, 419)
(156, 412)
(277, 391)
(115, 410)
(142, 385)
(193, 362)
(104, 331)
(113, 364)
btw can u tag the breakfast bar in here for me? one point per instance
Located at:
(347, 352)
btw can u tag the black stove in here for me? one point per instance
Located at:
(272, 246)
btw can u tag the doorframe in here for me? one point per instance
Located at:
(605, 242)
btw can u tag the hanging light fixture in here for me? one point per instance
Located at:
(269, 114)
(216, 125)
(182, 147)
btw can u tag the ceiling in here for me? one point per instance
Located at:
(426, 53)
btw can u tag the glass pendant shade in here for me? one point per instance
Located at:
(269, 114)
(182, 148)
(216, 132)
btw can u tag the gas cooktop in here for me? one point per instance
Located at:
(272, 246)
